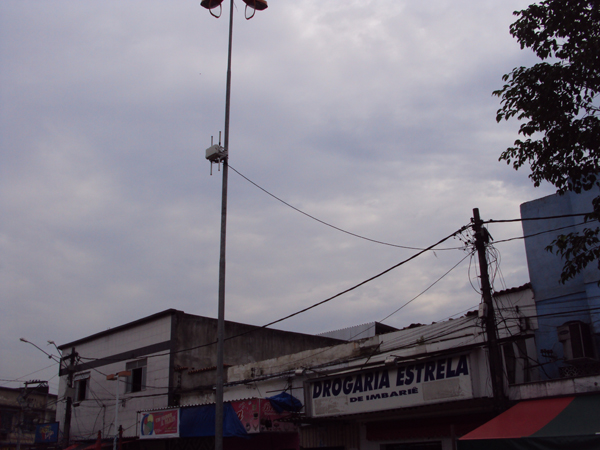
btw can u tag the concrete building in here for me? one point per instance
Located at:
(562, 409)
(170, 358)
(22, 411)
(569, 314)
(425, 387)
(420, 387)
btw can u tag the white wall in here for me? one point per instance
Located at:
(97, 412)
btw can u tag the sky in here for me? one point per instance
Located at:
(371, 119)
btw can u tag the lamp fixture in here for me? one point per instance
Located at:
(254, 5)
(114, 376)
(212, 4)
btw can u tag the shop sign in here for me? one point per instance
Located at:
(159, 424)
(258, 416)
(425, 382)
(46, 433)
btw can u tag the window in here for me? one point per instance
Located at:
(82, 383)
(29, 422)
(576, 338)
(137, 381)
(6, 421)
(510, 361)
(516, 362)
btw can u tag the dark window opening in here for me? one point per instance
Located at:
(136, 382)
(81, 390)
(510, 362)
(522, 349)
(81, 385)
(576, 339)
(6, 421)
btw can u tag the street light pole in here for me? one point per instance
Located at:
(221, 155)
(222, 265)
(115, 377)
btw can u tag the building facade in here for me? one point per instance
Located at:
(569, 313)
(22, 412)
(417, 388)
(154, 363)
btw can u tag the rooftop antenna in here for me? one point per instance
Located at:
(215, 153)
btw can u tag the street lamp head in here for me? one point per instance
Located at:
(24, 340)
(212, 4)
(259, 5)
(255, 5)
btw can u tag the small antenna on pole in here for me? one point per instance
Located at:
(215, 153)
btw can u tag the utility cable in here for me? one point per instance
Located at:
(429, 287)
(325, 223)
(362, 283)
(542, 232)
(527, 219)
(367, 280)
(414, 298)
(20, 379)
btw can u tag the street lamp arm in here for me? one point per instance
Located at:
(50, 356)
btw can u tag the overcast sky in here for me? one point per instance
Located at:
(376, 117)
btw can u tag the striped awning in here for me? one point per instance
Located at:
(545, 424)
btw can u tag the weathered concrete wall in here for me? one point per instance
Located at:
(553, 388)
(309, 358)
(253, 344)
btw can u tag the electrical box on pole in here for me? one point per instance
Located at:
(216, 154)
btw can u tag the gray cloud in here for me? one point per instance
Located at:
(376, 117)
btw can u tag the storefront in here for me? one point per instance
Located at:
(248, 424)
(424, 404)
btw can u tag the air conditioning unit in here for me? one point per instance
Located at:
(576, 338)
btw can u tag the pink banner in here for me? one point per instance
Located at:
(160, 424)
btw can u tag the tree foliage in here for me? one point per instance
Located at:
(558, 104)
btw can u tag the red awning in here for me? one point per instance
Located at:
(73, 446)
(556, 423)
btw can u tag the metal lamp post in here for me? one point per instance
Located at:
(219, 154)
(115, 377)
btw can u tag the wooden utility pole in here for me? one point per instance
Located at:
(69, 395)
(482, 238)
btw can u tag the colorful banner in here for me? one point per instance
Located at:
(258, 416)
(159, 424)
(419, 383)
(46, 433)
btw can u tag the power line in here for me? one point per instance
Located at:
(431, 247)
(20, 379)
(405, 304)
(541, 232)
(564, 216)
(429, 287)
(325, 223)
